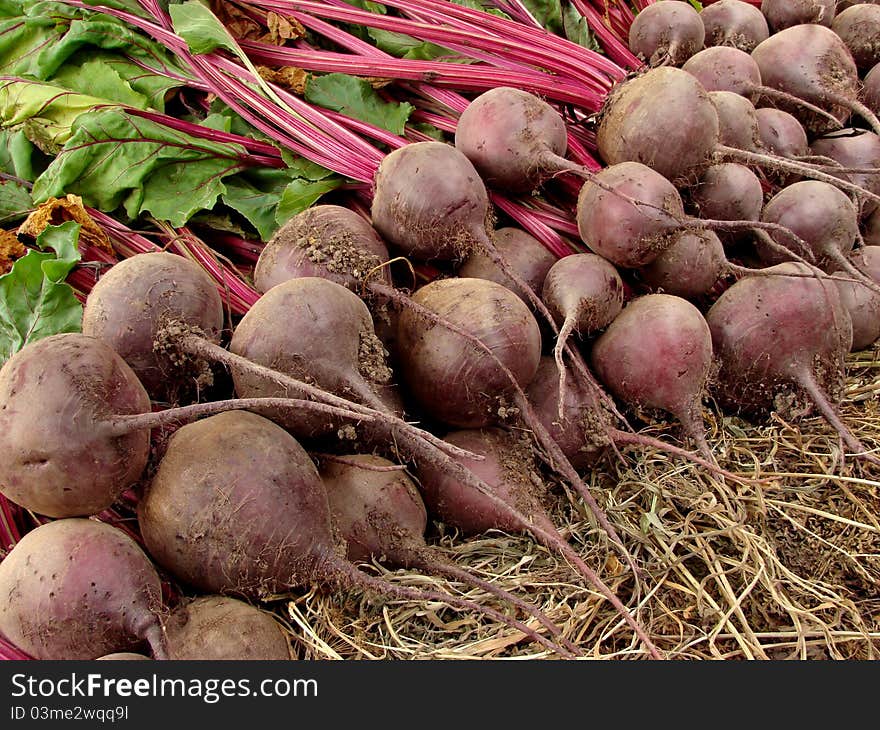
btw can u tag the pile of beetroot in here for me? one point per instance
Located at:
(728, 246)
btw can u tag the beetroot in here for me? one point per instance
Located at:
(140, 295)
(315, 330)
(525, 254)
(76, 424)
(507, 467)
(854, 148)
(820, 214)
(449, 379)
(781, 133)
(376, 508)
(734, 23)
(632, 234)
(581, 429)
(627, 234)
(813, 63)
(388, 429)
(514, 139)
(453, 330)
(689, 268)
(666, 32)
(430, 202)
(505, 470)
(871, 232)
(236, 506)
(737, 121)
(859, 28)
(657, 354)
(783, 14)
(641, 122)
(871, 89)
(220, 628)
(329, 241)
(56, 396)
(722, 68)
(844, 4)
(584, 293)
(778, 338)
(729, 192)
(169, 328)
(862, 303)
(335, 243)
(729, 69)
(79, 589)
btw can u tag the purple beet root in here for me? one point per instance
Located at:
(139, 296)
(506, 468)
(781, 14)
(430, 202)
(722, 68)
(525, 254)
(666, 32)
(220, 628)
(657, 354)
(781, 133)
(820, 214)
(580, 430)
(624, 233)
(449, 378)
(734, 23)
(728, 192)
(513, 138)
(871, 229)
(318, 331)
(689, 268)
(737, 120)
(329, 241)
(780, 340)
(871, 89)
(380, 514)
(80, 589)
(859, 28)
(56, 395)
(813, 63)
(641, 122)
(584, 293)
(237, 507)
(854, 148)
(862, 303)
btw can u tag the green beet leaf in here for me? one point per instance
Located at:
(35, 302)
(15, 201)
(115, 159)
(357, 99)
(45, 111)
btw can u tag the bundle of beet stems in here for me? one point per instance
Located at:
(567, 75)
